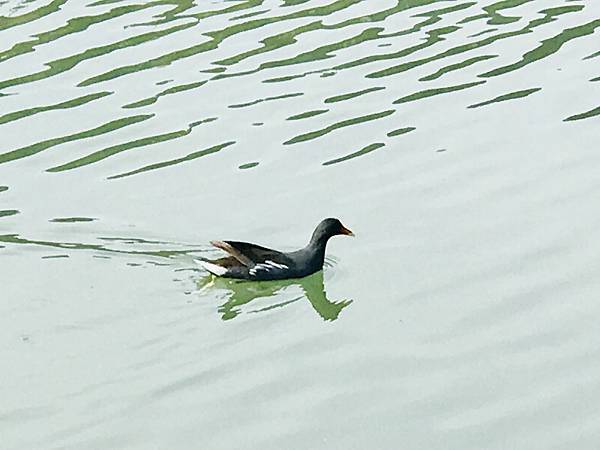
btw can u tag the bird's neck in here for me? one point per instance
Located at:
(316, 247)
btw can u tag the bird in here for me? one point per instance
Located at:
(252, 262)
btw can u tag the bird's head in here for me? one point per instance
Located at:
(328, 228)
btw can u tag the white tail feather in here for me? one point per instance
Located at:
(213, 268)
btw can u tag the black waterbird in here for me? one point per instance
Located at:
(253, 262)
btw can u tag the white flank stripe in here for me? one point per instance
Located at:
(267, 266)
(274, 264)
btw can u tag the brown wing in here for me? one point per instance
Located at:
(251, 254)
(227, 262)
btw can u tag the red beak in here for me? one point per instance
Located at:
(346, 231)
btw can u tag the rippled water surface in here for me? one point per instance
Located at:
(458, 139)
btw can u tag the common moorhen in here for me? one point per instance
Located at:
(253, 262)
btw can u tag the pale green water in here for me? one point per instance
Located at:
(459, 140)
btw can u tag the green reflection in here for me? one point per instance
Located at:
(214, 70)
(585, 115)
(326, 51)
(249, 165)
(62, 105)
(434, 36)
(283, 39)
(217, 36)
(549, 16)
(267, 99)
(174, 13)
(104, 2)
(314, 20)
(102, 129)
(498, 19)
(307, 114)
(74, 25)
(250, 14)
(72, 219)
(64, 64)
(288, 78)
(293, 2)
(457, 66)
(400, 131)
(270, 43)
(317, 54)
(8, 22)
(437, 91)
(183, 5)
(335, 126)
(171, 162)
(363, 151)
(495, 18)
(505, 97)
(115, 149)
(481, 33)
(241, 293)
(351, 95)
(18, 240)
(551, 45)
(169, 91)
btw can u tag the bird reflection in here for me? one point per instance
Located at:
(241, 293)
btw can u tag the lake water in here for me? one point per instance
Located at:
(458, 139)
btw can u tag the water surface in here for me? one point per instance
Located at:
(458, 139)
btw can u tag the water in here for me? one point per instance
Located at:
(459, 140)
